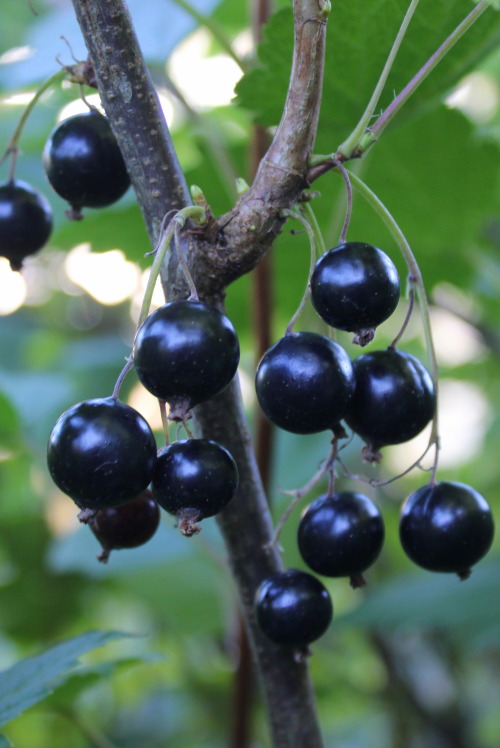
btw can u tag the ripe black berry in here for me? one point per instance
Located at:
(185, 353)
(194, 479)
(101, 453)
(304, 383)
(293, 608)
(25, 221)
(341, 535)
(84, 163)
(446, 527)
(126, 526)
(355, 287)
(393, 398)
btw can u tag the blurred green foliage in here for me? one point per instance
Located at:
(414, 653)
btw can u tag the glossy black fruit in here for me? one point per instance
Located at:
(84, 163)
(194, 479)
(393, 400)
(293, 608)
(446, 527)
(101, 453)
(25, 221)
(341, 535)
(304, 383)
(126, 526)
(185, 353)
(355, 287)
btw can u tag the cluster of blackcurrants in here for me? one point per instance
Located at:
(103, 454)
(307, 383)
(83, 164)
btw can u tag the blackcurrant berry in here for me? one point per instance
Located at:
(126, 526)
(293, 608)
(304, 383)
(446, 527)
(101, 453)
(194, 479)
(355, 287)
(25, 221)
(185, 353)
(393, 400)
(84, 163)
(341, 535)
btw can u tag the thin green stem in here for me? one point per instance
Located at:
(373, 133)
(214, 28)
(416, 278)
(297, 214)
(12, 148)
(164, 420)
(193, 296)
(350, 145)
(306, 208)
(166, 235)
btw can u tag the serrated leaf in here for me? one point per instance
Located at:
(355, 55)
(34, 678)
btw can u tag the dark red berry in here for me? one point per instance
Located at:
(185, 353)
(84, 163)
(393, 399)
(304, 383)
(194, 479)
(25, 221)
(341, 535)
(101, 453)
(126, 526)
(446, 527)
(293, 608)
(355, 287)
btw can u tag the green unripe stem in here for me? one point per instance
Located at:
(416, 279)
(312, 234)
(12, 148)
(350, 145)
(373, 133)
(194, 212)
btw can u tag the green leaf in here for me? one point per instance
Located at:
(9, 423)
(356, 53)
(34, 678)
(469, 609)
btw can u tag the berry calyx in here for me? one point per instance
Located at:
(355, 287)
(101, 453)
(127, 526)
(341, 535)
(194, 479)
(25, 221)
(304, 383)
(293, 608)
(84, 164)
(447, 527)
(185, 353)
(393, 399)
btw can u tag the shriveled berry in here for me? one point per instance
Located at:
(355, 287)
(194, 479)
(84, 164)
(102, 453)
(446, 527)
(25, 221)
(185, 353)
(304, 383)
(341, 535)
(127, 526)
(293, 608)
